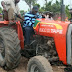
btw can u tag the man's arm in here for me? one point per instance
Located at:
(20, 17)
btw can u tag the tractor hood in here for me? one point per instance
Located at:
(58, 30)
(50, 28)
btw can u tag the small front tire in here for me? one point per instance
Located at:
(39, 64)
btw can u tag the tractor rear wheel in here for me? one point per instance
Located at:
(9, 48)
(39, 64)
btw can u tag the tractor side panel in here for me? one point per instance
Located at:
(60, 43)
(20, 35)
(57, 30)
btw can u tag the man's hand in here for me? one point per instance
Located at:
(12, 22)
(20, 17)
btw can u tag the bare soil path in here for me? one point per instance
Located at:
(23, 67)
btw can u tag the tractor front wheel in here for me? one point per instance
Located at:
(39, 64)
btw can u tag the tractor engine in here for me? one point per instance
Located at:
(46, 47)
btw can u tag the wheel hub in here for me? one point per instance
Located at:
(34, 68)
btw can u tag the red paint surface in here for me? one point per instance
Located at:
(60, 39)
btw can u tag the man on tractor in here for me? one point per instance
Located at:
(30, 18)
(11, 10)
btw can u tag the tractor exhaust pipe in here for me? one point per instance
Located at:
(62, 11)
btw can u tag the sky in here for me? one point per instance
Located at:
(24, 6)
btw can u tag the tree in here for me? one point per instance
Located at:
(55, 7)
(30, 3)
(67, 11)
(46, 1)
(42, 9)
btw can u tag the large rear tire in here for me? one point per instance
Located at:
(39, 64)
(9, 48)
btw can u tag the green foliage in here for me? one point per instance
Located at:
(22, 11)
(49, 6)
(0, 10)
(55, 7)
(67, 11)
(42, 9)
(30, 3)
(33, 2)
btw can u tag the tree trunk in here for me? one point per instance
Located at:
(46, 2)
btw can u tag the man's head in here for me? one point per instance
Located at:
(17, 1)
(35, 9)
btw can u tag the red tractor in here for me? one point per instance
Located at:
(51, 42)
(11, 47)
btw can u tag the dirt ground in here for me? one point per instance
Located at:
(23, 67)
